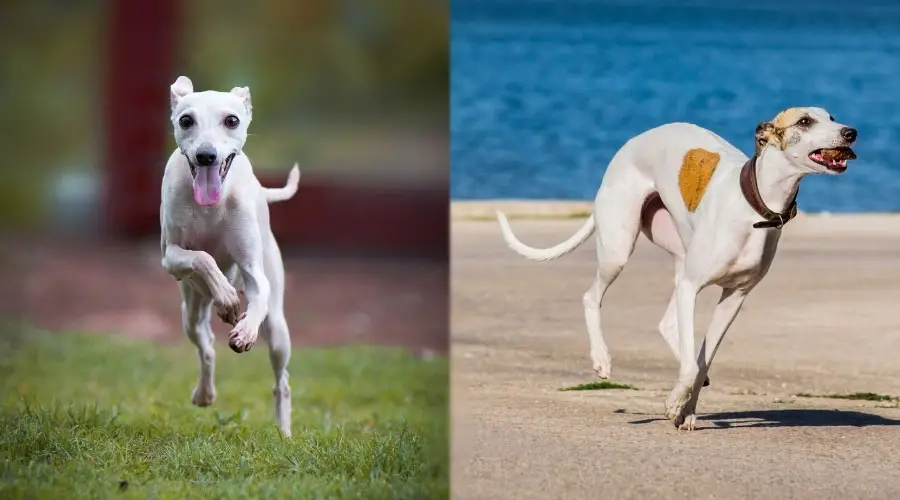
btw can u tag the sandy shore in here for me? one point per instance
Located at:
(825, 321)
(480, 210)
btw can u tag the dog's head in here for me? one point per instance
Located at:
(210, 130)
(810, 138)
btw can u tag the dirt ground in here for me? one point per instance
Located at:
(824, 321)
(121, 289)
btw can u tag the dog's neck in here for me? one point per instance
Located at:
(777, 179)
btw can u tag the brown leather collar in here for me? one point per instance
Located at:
(751, 194)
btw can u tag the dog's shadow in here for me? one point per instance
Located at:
(786, 418)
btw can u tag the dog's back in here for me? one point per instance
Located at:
(658, 153)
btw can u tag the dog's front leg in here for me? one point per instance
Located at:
(686, 302)
(726, 311)
(249, 257)
(256, 289)
(185, 264)
(723, 316)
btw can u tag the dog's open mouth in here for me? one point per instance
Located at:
(224, 167)
(834, 159)
(208, 181)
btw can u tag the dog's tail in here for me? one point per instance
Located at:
(545, 254)
(274, 195)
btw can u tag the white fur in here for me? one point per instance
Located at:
(214, 251)
(715, 245)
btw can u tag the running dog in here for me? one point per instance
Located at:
(717, 212)
(216, 238)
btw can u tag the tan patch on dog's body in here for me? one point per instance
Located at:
(696, 171)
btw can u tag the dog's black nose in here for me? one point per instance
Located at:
(206, 156)
(849, 134)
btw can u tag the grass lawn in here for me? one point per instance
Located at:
(92, 416)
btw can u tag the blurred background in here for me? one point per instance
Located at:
(581, 77)
(355, 91)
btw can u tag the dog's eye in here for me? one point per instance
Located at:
(805, 121)
(232, 121)
(186, 121)
(830, 117)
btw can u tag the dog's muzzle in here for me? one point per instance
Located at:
(208, 182)
(224, 167)
(834, 159)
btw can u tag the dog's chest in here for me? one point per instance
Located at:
(197, 230)
(752, 262)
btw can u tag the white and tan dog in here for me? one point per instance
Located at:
(216, 237)
(718, 213)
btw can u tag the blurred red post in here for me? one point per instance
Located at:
(141, 44)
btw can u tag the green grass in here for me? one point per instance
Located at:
(856, 396)
(600, 386)
(90, 416)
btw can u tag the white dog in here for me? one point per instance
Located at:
(216, 237)
(718, 213)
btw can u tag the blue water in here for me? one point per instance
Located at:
(545, 92)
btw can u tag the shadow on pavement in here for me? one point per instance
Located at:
(787, 418)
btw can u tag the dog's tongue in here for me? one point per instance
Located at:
(207, 186)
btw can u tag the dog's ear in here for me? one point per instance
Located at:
(179, 89)
(244, 94)
(763, 134)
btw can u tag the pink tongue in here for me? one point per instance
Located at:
(207, 186)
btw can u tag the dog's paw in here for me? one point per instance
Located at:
(687, 419)
(677, 400)
(242, 338)
(602, 372)
(203, 396)
(686, 422)
(602, 364)
(228, 305)
(681, 408)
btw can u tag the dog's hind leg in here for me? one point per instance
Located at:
(617, 215)
(196, 313)
(659, 227)
(276, 334)
(274, 330)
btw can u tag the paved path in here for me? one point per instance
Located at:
(825, 320)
